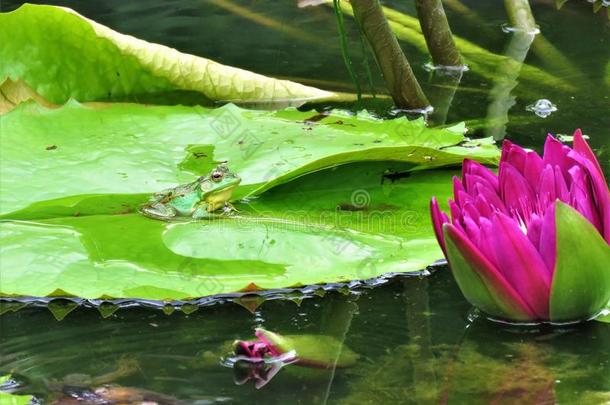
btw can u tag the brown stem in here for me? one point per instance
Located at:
(397, 72)
(435, 28)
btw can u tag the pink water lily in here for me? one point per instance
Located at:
(531, 243)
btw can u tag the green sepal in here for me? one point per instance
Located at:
(480, 294)
(581, 282)
(313, 350)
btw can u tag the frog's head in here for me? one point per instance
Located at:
(216, 188)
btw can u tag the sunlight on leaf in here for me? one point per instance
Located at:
(102, 64)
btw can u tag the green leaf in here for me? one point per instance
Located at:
(108, 160)
(12, 399)
(581, 283)
(291, 236)
(81, 59)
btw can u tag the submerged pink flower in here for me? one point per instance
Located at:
(531, 243)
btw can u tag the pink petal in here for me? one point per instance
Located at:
(521, 264)
(548, 240)
(601, 193)
(457, 187)
(472, 167)
(456, 212)
(483, 206)
(497, 285)
(517, 194)
(470, 211)
(533, 168)
(472, 180)
(472, 230)
(582, 147)
(556, 154)
(546, 187)
(438, 219)
(561, 186)
(581, 196)
(534, 228)
(514, 155)
(492, 198)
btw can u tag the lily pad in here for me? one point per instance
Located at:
(80, 160)
(7, 398)
(318, 237)
(98, 63)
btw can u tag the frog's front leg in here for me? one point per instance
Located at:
(201, 211)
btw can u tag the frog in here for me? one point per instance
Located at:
(205, 198)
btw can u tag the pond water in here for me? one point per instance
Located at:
(419, 340)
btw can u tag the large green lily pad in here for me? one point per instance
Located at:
(317, 236)
(64, 55)
(88, 160)
(74, 176)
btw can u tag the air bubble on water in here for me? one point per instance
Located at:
(542, 108)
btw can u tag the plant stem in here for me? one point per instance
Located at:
(435, 28)
(344, 51)
(397, 73)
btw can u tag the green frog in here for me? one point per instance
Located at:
(199, 199)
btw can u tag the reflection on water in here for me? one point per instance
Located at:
(414, 336)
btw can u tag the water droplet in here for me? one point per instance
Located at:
(542, 108)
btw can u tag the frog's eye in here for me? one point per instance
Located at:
(217, 176)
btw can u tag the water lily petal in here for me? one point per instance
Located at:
(458, 187)
(546, 187)
(534, 229)
(456, 212)
(472, 230)
(483, 206)
(521, 264)
(556, 154)
(581, 196)
(438, 219)
(481, 282)
(516, 192)
(582, 147)
(533, 169)
(492, 198)
(470, 211)
(561, 186)
(514, 155)
(473, 167)
(600, 192)
(548, 241)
